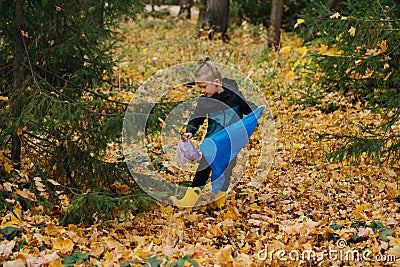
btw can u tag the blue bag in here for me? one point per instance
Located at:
(220, 148)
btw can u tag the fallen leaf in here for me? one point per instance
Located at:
(8, 167)
(352, 31)
(64, 245)
(223, 255)
(286, 49)
(6, 248)
(365, 232)
(25, 193)
(53, 182)
(14, 263)
(299, 21)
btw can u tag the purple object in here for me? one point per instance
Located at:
(187, 151)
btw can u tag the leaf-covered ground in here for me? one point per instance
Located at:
(306, 212)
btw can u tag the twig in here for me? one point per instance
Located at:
(61, 101)
(36, 145)
(84, 89)
(50, 85)
(5, 67)
(29, 61)
(394, 49)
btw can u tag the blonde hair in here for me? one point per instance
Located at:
(207, 70)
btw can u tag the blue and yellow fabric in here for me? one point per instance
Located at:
(220, 148)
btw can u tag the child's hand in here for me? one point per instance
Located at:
(187, 136)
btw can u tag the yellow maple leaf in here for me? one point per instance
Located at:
(246, 249)
(348, 70)
(52, 182)
(393, 241)
(64, 245)
(352, 31)
(335, 16)
(53, 230)
(24, 34)
(141, 253)
(372, 52)
(302, 51)
(334, 51)
(223, 255)
(25, 193)
(339, 38)
(18, 213)
(368, 73)
(255, 207)
(387, 76)
(383, 46)
(21, 129)
(13, 221)
(286, 49)
(290, 75)
(299, 21)
(298, 146)
(394, 251)
(386, 66)
(8, 167)
(108, 256)
(323, 49)
(97, 248)
(361, 208)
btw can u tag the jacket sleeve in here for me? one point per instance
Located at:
(196, 119)
(245, 106)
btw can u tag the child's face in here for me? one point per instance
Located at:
(210, 88)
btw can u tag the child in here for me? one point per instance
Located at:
(221, 104)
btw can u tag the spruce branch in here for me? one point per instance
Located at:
(36, 145)
(83, 88)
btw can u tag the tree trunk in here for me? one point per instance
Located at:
(202, 13)
(311, 35)
(16, 101)
(185, 5)
(152, 5)
(216, 19)
(274, 32)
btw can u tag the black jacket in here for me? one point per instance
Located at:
(221, 109)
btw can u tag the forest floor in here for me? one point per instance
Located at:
(306, 212)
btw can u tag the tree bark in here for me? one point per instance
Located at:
(202, 13)
(16, 102)
(216, 19)
(152, 5)
(185, 5)
(274, 32)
